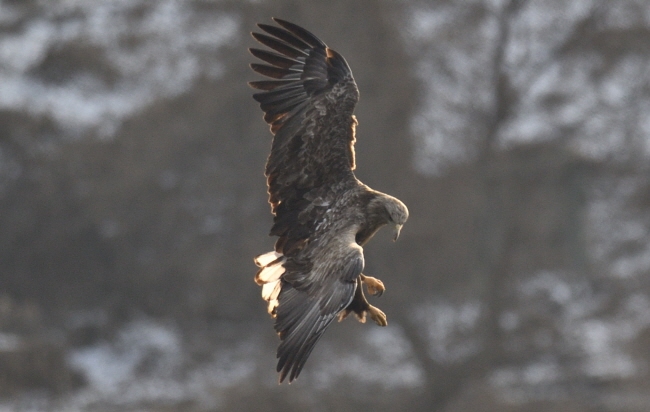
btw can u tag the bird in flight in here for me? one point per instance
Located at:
(323, 214)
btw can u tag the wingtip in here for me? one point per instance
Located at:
(257, 36)
(283, 378)
(281, 22)
(263, 25)
(283, 375)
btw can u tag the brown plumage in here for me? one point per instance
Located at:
(322, 213)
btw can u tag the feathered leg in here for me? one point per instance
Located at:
(361, 307)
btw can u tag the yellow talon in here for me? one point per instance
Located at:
(375, 286)
(377, 315)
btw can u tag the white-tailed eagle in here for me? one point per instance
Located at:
(323, 215)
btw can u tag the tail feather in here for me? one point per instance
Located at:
(269, 277)
(267, 258)
(269, 273)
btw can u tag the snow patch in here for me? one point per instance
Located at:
(153, 49)
(111, 366)
(9, 342)
(147, 362)
(588, 100)
(618, 235)
(451, 330)
(572, 337)
(387, 362)
(456, 85)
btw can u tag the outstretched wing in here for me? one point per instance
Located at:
(309, 105)
(307, 292)
(307, 308)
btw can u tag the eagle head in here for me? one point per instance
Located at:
(398, 213)
(389, 211)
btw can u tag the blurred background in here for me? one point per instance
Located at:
(132, 201)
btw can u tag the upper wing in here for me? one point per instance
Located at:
(309, 106)
(307, 309)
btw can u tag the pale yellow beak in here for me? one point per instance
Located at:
(398, 228)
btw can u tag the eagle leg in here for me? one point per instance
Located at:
(360, 307)
(375, 286)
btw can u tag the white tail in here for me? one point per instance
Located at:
(268, 277)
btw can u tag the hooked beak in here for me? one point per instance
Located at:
(398, 228)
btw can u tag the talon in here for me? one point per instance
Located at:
(375, 286)
(361, 316)
(377, 315)
(343, 314)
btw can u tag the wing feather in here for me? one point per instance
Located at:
(270, 84)
(285, 36)
(300, 32)
(276, 72)
(274, 58)
(280, 46)
(309, 107)
(280, 96)
(306, 310)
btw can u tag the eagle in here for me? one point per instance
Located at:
(323, 214)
